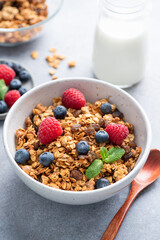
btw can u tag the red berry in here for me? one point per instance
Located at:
(6, 73)
(11, 97)
(117, 133)
(49, 129)
(73, 98)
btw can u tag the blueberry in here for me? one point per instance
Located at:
(22, 90)
(102, 182)
(82, 147)
(3, 107)
(9, 64)
(106, 108)
(46, 158)
(22, 156)
(24, 75)
(101, 136)
(15, 84)
(17, 68)
(4, 62)
(60, 112)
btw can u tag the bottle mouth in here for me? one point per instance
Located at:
(124, 6)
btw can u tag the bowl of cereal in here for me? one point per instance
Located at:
(23, 21)
(78, 140)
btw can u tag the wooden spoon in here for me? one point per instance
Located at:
(148, 174)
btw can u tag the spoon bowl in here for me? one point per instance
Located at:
(148, 174)
(151, 169)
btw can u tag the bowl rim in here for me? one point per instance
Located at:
(8, 30)
(118, 185)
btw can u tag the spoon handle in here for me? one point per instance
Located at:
(116, 222)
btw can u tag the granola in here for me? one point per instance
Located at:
(21, 14)
(72, 64)
(34, 54)
(68, 169)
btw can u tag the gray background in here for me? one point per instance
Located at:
(24, 214)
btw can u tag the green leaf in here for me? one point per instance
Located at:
(94, 169)
(114, 154)
(3, 89)
(104, 153)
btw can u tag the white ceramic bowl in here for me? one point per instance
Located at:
(93, 90)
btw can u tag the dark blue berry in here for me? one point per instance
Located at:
(17, 68)
(101, 136)
(106, 108)
(22, 90)
(46, 158)
(102, 182)
(3, 107)
(3, 62)
(24, 75)
(15, 84)
(60, 112)
(82, 147)
(10, 64)
(22, 156)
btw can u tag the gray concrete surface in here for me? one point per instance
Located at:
(26, 215)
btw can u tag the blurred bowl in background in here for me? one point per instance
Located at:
(10, 37)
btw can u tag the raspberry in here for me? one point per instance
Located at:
(117, 133)
(73, 98)
(49, 129)
(6, 73)
(11, 97)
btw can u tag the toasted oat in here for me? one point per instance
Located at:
(54, 60)
(61, 57)
(52, 50)
(52, 71)
(72, 64)
(54, 77)
(54, 65)
(34, 54)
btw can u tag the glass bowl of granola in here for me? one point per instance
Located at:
(22, 21)
(78, 140)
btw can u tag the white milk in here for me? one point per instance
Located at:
(119, 54)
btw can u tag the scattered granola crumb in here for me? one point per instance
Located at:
(54, 77)
(34, 54)
(72, 64)
(52, 71)
(54, 65)
(61, 57)
(52, 50)
(54, 60)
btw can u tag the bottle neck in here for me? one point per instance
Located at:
(123, 6)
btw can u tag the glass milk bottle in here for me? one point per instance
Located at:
(120, 44)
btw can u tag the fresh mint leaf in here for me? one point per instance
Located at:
(114, 154)
(94, 169)
(3, 89)
(104, 153)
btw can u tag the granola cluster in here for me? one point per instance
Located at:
(68, 169)
(20, 14)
